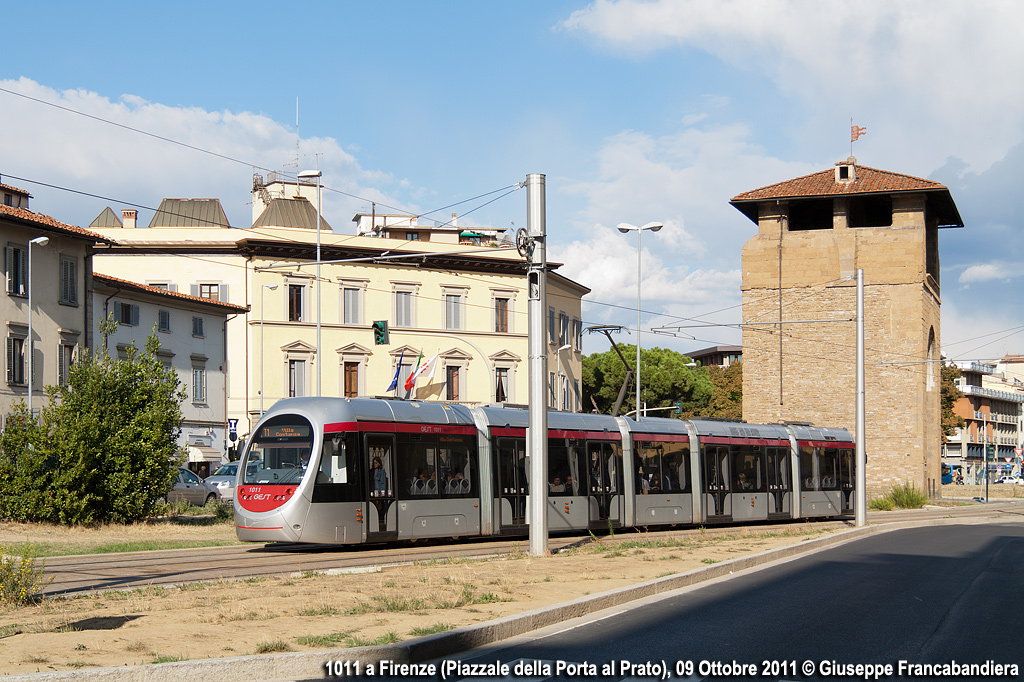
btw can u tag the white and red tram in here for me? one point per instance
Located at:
(341, 470)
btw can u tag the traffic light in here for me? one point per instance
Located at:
(380, 333)
(679, 408)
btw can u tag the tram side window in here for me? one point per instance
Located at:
(746, 468)
(417, 466)
(675, 467)
(807, 478)
(828, 467)
(648, 474)
(337, 478)
(716, 468)
(778, 469)
(846, 470)
(605, 463)
(562, 466)
(512, 466)
(455, 466)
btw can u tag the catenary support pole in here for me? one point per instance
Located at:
(861, 505)
(537, 442)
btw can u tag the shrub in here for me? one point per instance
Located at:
(902, 496)
(21, 578)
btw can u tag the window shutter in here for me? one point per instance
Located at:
(172, 287)
(10, 360)
(222, 293)
(9, 271)
(135, 315)
(195, 290)
(61, 366)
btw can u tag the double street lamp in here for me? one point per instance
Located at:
(625, 228)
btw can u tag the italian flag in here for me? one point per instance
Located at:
(421, 369)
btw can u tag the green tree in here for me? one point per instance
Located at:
(950, 394)
(665, 380)
(106, 445)
(727, 395)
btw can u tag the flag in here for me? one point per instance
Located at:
(411, 381)
(394, 382)
(856, 132)
(430, 365)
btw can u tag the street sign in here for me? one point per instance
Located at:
(232, 425)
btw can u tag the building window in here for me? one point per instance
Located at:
(65, 357)
(563, 329)
(501, 314)
(296, 378)
(210, 291)
(577, 333)
(577, 402)
(451, 382)
(501, 387)
(16, 261)
(128, 314)
(403, 309)
(68, 281)
(197, 327)
(16, 360)
(163, 320)
(453, 311)
(352, 312)
(566, 402)
(551, 325)
(552, 397)
(351, 372)
(8, 199)
(198, 384)
(412, 236)
(295, 300)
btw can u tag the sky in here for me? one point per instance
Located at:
(634, 111)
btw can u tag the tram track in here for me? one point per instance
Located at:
(132, 570)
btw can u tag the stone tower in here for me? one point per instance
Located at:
(799, 287)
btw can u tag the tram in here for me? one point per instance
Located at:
(366, 470)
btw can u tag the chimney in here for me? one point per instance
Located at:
(846, 171)
(455, 219)
(128, 216)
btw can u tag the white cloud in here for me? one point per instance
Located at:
(85, 154)
(912, 72)
(988, 272)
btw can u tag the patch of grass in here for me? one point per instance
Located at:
(138, 647)
(80, 647)
(386, 638)
(322, 641)
(321, 609)
(901, 496)
(709, 561)
(168, 658)
(393, 604)
(881, 504)
(491, 598)
(37, 659)
(139, 546)
(254, 579)
(276, 646)
(431, 629)
(9, 630)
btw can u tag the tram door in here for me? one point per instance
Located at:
(513, 488)
(381, 513)
(779, 483)
(604, 463)
(715, 463)
(847, 478)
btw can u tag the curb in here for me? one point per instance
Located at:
(310, 665)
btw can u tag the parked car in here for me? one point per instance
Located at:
(191, 488)
(1013, 480)
(223, 480)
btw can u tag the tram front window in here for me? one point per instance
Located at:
(280, 451)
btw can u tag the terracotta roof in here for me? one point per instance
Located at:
(868, 181)
(48, 223)
(119, 283)
(15, 189)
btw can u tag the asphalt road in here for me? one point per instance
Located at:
(933, 595)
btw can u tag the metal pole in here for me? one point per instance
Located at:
(537, 443)
(319, 356)
(263, 366)
(862, 493)
(639, 251)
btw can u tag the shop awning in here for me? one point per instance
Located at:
(199, 453)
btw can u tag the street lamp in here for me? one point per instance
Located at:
(306, 175)
(624, 228)
(263, 367)
(39, 241)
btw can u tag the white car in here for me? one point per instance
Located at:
(1013, 480)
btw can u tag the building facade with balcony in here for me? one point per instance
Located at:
(992, 409)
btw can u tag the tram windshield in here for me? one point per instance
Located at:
(279, 452)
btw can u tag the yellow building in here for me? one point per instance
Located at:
(463, 305)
